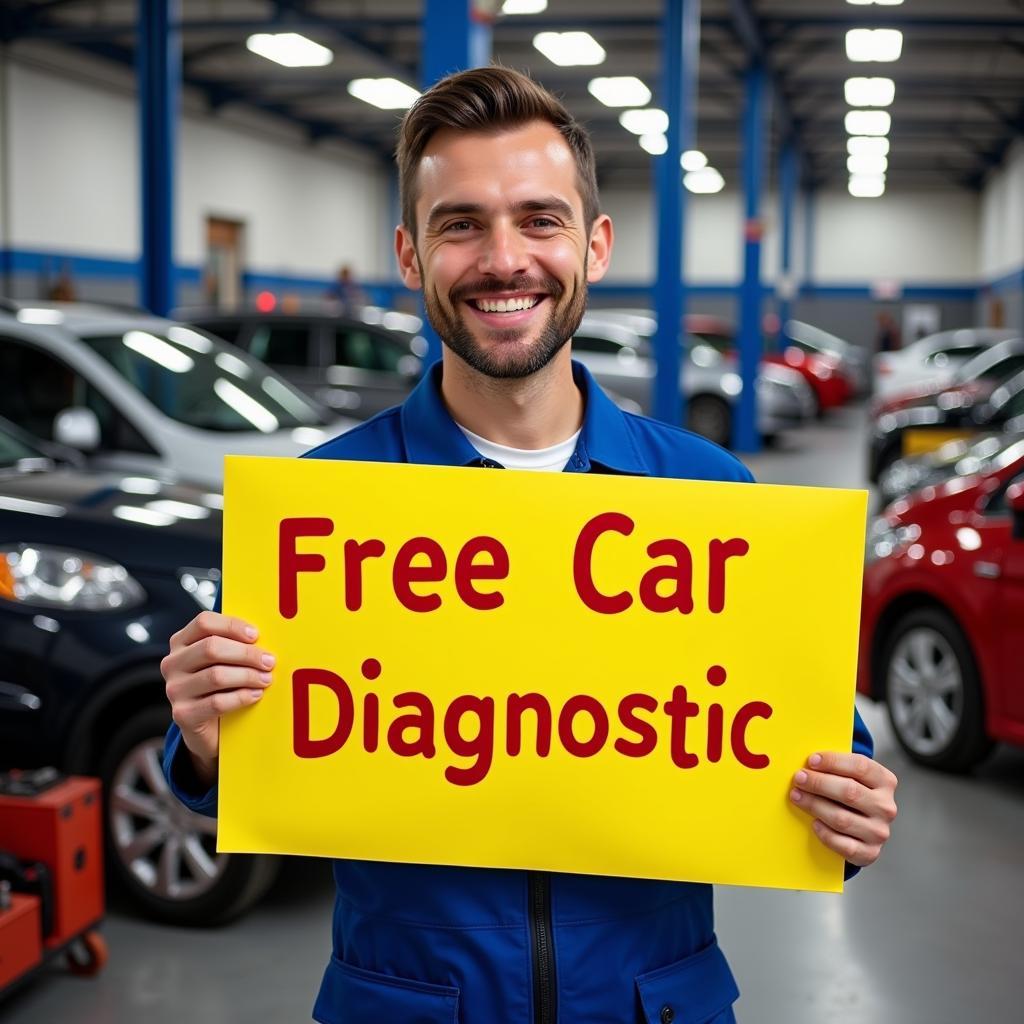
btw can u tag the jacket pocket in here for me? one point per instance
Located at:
(351, 995)
(697, 990)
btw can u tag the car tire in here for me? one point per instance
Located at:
(160, 853)
(933, 692)
(710, 417)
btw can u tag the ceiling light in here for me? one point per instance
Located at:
(881, 44)
(654, 143)
(881, 3)
(868, 122)
(386, 93)
(706, 181)
(863, 145)
(530, 6)
(867, 164)
(625, 91)
(870, 92)
(651, 121)
(693, 160)
(569, 49)
(290, 49)
(867, 186)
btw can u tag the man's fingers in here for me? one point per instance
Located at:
(854, 851)
(842, 820)
(833, 787)
(214, 624)
(191, 714)
(220, 650)
(219, 678)
(853, 766)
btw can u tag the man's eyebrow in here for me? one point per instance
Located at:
(547, 204)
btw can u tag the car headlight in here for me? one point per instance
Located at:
(202, 584)
(884, 539)
(51, 577)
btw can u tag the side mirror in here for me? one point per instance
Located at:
(1015, 501)
(77, 427)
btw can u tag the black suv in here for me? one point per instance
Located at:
(97, 571)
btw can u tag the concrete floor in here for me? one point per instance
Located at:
(929, 935)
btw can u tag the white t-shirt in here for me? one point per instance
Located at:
(544, 460)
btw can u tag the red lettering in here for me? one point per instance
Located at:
(679, 709)
(302, 743)
(679, 573)
(719, 552)
(480, 746)
(467, 570)
(290, 563)
(606, 522)
(355, 554)
(404, 573)
(715, 729)
(574, 706)
(516, 705)
(371, 708)
(422, 722)
(648, 740)
(755, 709)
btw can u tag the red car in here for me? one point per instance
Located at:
(943, 613)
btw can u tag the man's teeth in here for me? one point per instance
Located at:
(505, 305)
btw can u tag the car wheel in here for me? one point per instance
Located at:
(933, 692)
(160, 853)
(712, 418)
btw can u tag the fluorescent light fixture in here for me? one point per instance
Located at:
(693, 160)
(569, 49)
(651, 121)
(880, 44)
(654, 143)
(706, 181)
(860, 165)
(868, 122)
(863, 145)
(159, 351)
(40, 316)
(881, 3)
(525, 6)
(867, 186)
(624, 91)
(386, 93)
(290, 49)
(870, 92)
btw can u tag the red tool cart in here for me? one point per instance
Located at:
(51, 874)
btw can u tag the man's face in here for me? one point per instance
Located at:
(501, 251)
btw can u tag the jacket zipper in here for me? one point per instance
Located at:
(545, 986)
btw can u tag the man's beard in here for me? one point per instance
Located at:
(507, 360)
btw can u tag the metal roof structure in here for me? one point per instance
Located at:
(959, 99)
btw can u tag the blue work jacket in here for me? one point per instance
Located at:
(451, 945)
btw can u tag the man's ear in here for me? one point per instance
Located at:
(599, 253)
(408, 261)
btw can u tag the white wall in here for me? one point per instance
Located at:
(74, 184)
(1001, 243)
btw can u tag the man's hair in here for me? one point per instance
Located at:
(488, 100)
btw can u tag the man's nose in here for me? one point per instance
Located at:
(505, 252)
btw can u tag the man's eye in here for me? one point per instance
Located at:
(543, 222)
(458, 225)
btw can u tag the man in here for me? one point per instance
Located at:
(502, 231)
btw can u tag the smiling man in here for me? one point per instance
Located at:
(502, 231)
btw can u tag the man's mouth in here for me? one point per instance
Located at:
(511, 304)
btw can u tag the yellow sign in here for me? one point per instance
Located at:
(575, 672)
(921, 440)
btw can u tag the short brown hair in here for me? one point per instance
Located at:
(489, 100)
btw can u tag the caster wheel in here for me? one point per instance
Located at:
(88, 955)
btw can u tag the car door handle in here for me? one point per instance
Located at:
(987, 570)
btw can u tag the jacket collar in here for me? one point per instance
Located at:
(432, 438)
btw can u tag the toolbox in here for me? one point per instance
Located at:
(21, 946)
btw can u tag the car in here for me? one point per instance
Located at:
(97, 570)
(357, 365)
(978, 377)
(932, 359)
(142, 394)
(621, 361)
(854, 361)
(942, 610)
(928, 423)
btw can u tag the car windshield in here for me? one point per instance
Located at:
(13, 449)
(196, 380)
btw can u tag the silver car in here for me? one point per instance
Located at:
(621, 360)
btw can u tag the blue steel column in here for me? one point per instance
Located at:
(787, 186)
(746, 436)
(680, 55)
(808, 274)
(454, 38)
(158, 68)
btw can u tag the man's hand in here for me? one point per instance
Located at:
(851, 799)
(213, 668)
